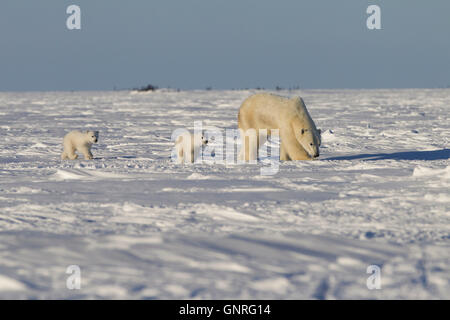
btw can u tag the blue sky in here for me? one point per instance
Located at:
(193, 44)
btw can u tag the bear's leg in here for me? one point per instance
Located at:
(70, 151)
(243, 152)
(262, 138)
(283, 154)
(299, 153)
(73, 156)
(294, 150)
(249, 145)
(180, 154)
(86, 153)
(188, 152)
(253, 149)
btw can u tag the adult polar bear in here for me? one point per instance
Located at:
(300, 139)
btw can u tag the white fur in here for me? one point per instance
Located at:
(79, 141)
(188, 146)
(300, 139)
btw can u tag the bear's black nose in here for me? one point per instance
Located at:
(316, 155)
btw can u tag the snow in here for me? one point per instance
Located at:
(142, 227)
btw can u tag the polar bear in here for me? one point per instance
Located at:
(79, 141)
(300, 139)
(187, 145)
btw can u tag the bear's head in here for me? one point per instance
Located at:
(200, 140)
(305, 130)
(310, 140)
(204, 140)
(92, 136)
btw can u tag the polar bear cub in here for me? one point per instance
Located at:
(79, 141)
(188, 145)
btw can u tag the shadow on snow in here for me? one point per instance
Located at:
(443, 154)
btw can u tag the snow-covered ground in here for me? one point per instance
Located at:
(140, 226)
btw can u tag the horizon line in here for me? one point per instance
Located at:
(162, 89)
